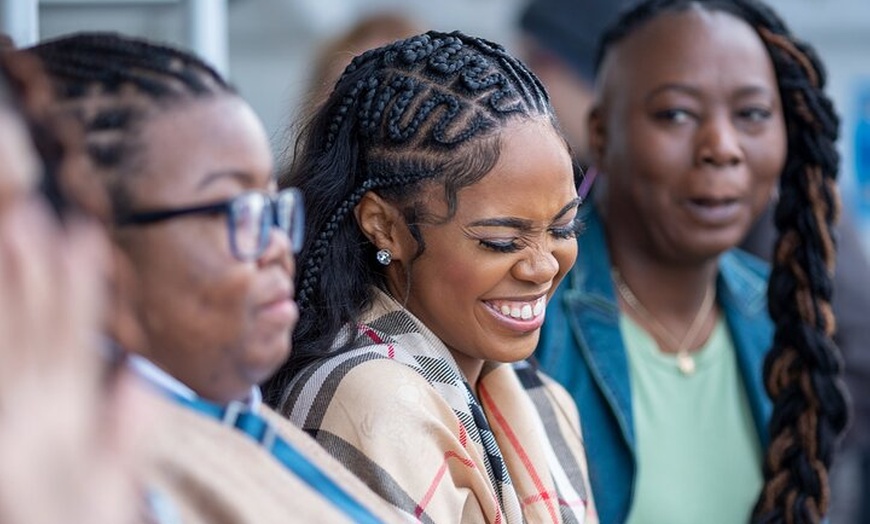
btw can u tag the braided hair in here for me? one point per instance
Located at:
(424, 110)
(802, 370)
(25, 90)
(110, 84)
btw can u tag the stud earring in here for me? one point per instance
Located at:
(384, 257)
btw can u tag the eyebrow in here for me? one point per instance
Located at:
(696, 92)
(520, 223)
(242, 176)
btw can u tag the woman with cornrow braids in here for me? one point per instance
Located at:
(443, 212)
(207, 244)
(661, 333)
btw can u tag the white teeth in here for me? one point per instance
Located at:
(526, 312)
(522, 310)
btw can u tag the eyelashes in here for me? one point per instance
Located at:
(512, 245)
(574, 228)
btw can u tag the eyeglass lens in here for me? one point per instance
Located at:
(254, 214)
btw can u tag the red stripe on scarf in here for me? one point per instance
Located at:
(372, 334)
(421, 507)
(543, 494)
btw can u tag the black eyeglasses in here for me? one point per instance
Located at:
(250, 219)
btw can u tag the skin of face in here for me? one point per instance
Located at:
(509, 244)
(19, 169)
(217, 324)
(690, 136)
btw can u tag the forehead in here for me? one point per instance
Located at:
(188, 147)
(713, 48)
(533, 177)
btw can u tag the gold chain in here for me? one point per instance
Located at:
(685, 361)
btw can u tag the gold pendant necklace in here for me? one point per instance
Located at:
(685, 361)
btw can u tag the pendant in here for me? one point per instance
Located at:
(685, 363)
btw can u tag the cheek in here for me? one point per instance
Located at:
(463, 274)
(766, 162)
(565, 254)
(211, 288)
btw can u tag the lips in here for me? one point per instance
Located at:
(522, 315)
(280, 308)
(713, 212)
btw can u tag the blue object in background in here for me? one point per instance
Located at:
(862, 151)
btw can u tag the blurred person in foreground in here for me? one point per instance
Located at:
(69, 416)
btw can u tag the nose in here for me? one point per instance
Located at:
(538, 266)
(719, 143)
(278, 251)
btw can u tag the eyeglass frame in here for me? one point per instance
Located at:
(295, 232)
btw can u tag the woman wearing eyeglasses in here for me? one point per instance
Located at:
(207, 309)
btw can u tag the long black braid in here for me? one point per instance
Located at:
(110, 83)
(802, 370)
(422, 110)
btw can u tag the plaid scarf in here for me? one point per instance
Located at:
(394, 407)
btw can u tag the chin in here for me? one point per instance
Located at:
(517, 350)
(266, 359)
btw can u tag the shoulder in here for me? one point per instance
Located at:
(737, 258)
(743, 282)
(548, 395)
(212, 473)
(362, 391)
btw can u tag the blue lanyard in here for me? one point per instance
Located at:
(238, 416)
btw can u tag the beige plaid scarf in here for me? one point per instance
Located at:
(396, 410)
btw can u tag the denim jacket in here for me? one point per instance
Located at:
(581, 346)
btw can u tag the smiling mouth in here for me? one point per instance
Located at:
(519, 309)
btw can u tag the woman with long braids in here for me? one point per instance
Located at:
(443, 212)
(660, 332)
(208, 296)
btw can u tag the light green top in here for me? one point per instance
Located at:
(699, 458)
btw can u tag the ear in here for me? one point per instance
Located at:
(383, 224)
(597, 129)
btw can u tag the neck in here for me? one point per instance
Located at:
(675, 301)
(469, 366)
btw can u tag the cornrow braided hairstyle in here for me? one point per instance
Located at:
(426, 109)
(110, 84)
(25, 90)
(802, 370)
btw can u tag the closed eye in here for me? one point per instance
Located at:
(501, 246)
(570, 230)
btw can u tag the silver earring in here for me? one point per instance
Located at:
(384, 257)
